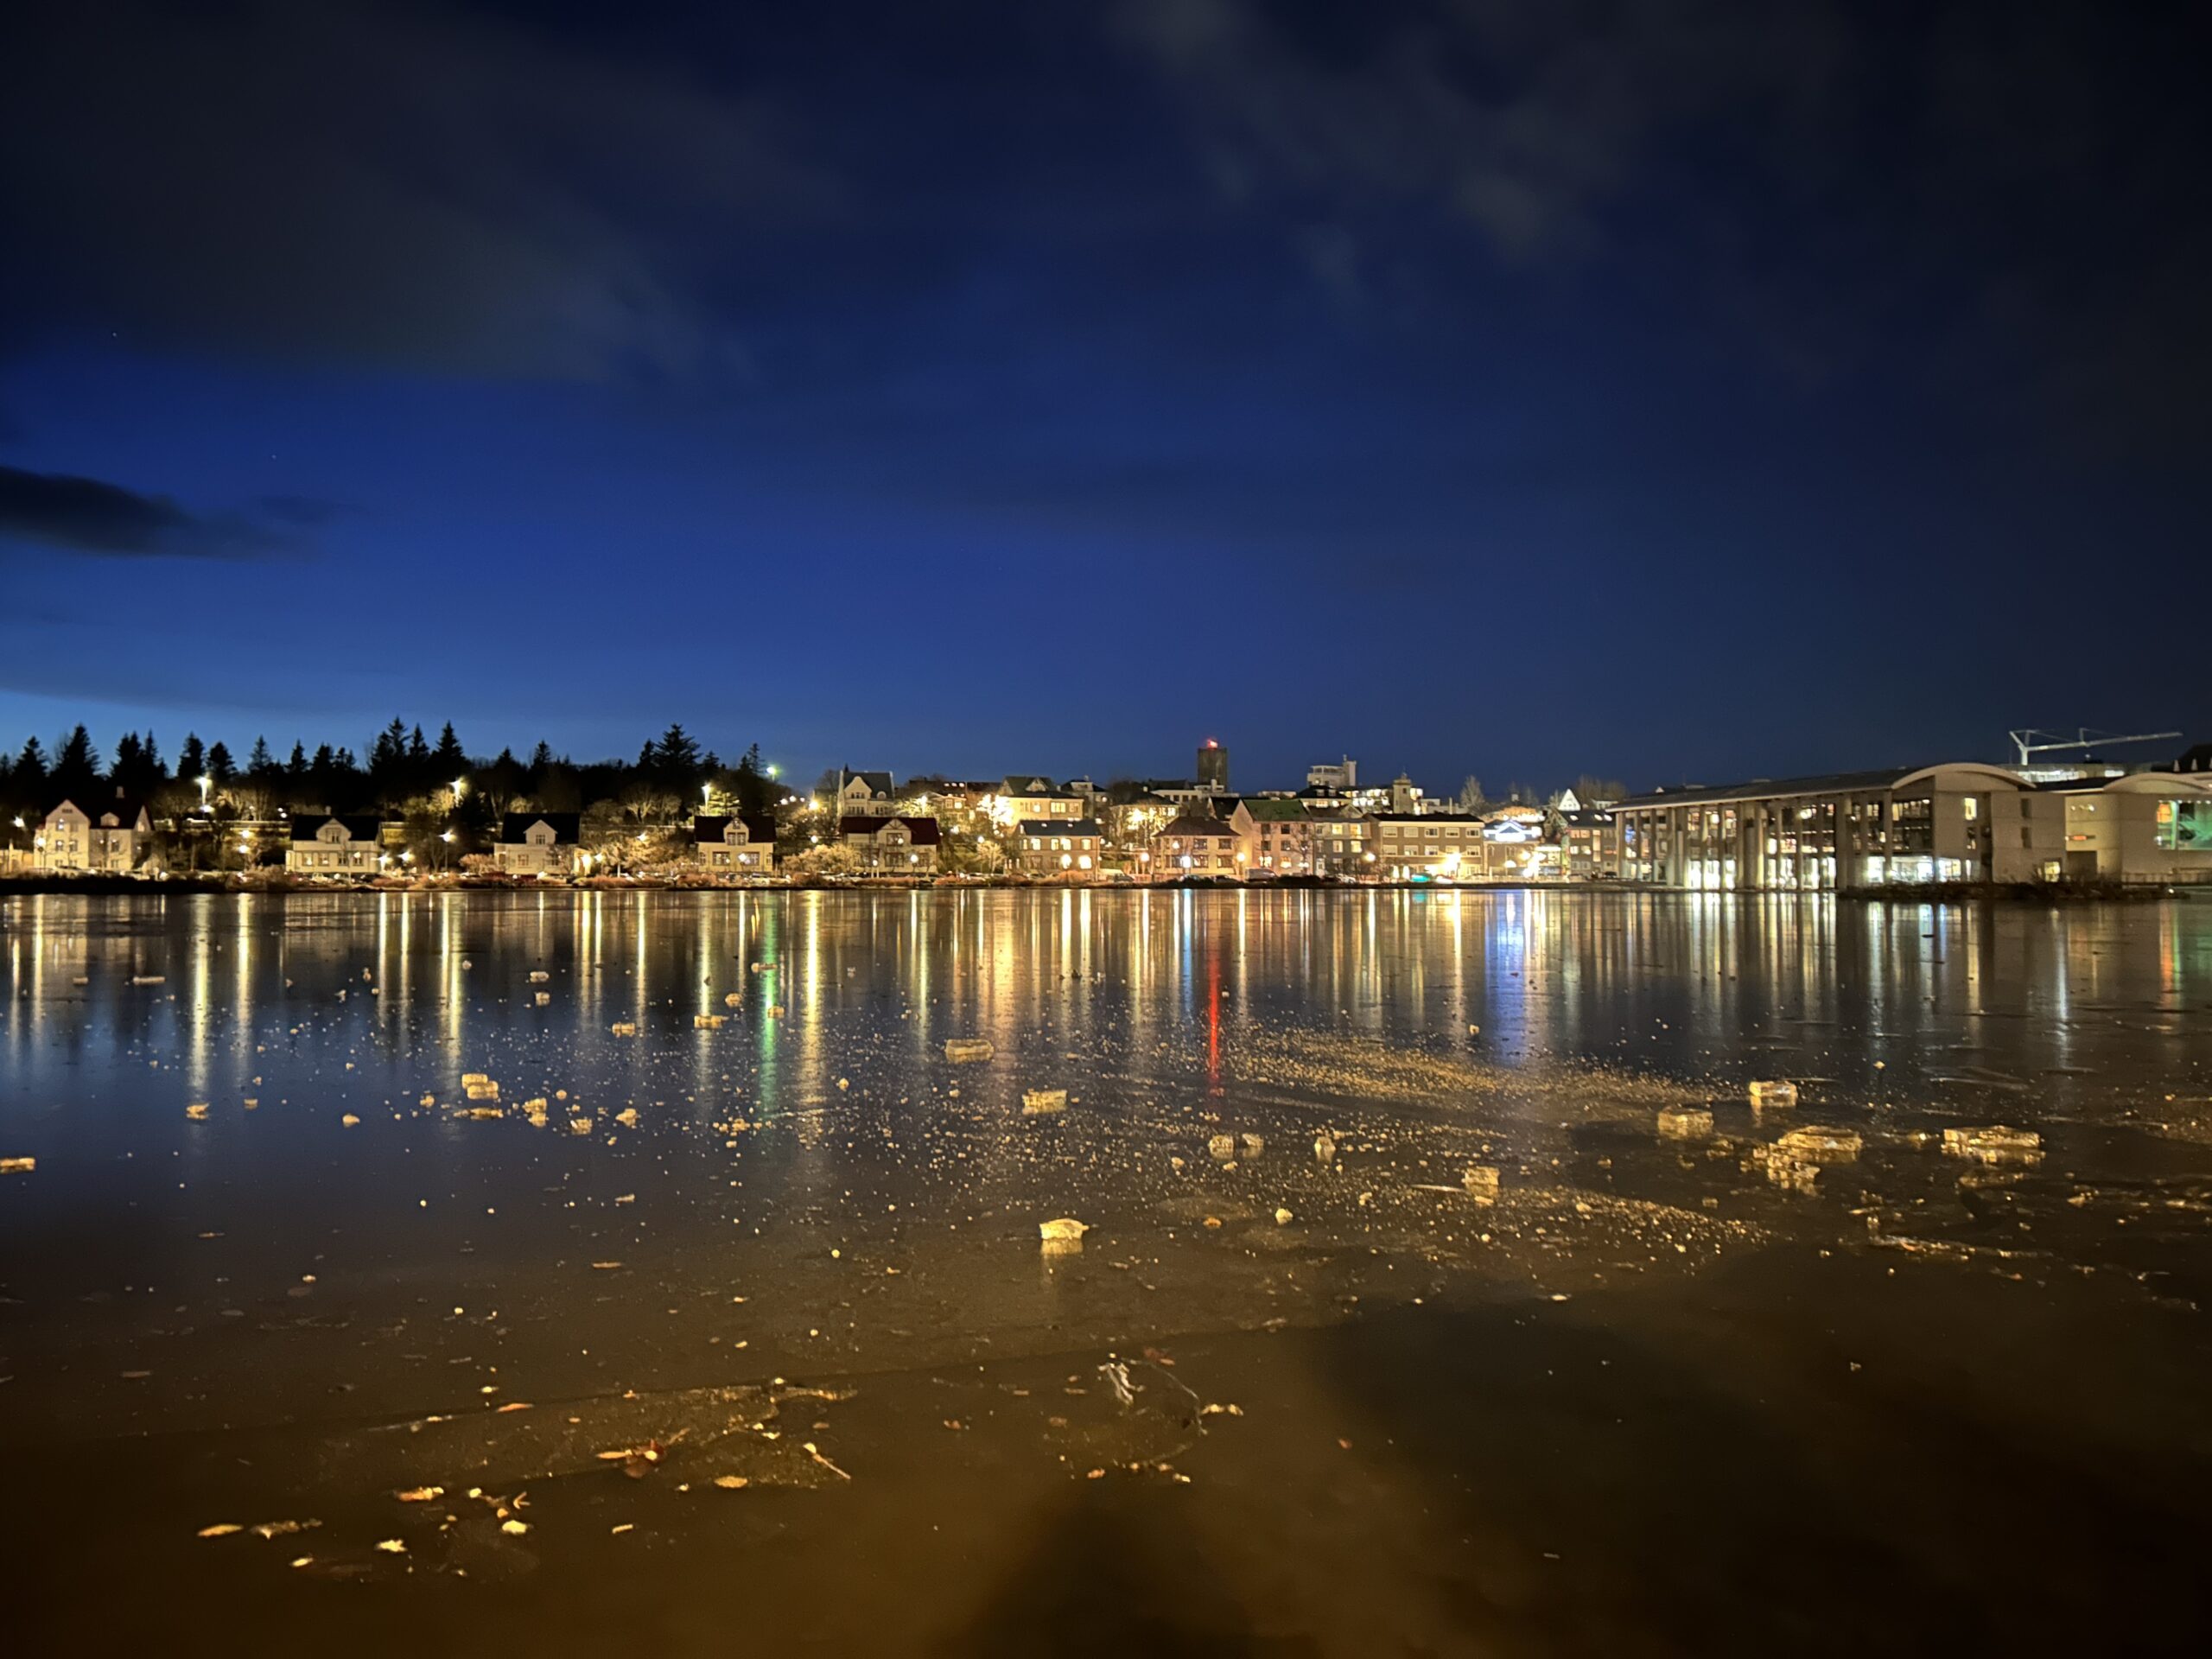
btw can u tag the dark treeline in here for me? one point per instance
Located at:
(402, 773)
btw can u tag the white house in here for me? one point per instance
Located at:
(538, 843)
(739, 843)
(105, 835)
(332, 845)
(864, 794)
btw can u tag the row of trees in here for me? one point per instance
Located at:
(404, 774)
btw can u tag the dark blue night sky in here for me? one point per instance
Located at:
(1659, 390)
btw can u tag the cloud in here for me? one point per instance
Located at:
(1523, 121)
(92, 518)
(395, 187)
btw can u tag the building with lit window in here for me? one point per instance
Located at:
(2146, 826)
(539, 844)
(1055, 846)
(1193, 845)
(1022, 798)
(102, 837)
(864, 794)
(737, 843)
(906, 844)
(1590, 843)
(1963, 821)
(1426, 846)
(329, 844)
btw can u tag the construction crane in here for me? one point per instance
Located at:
(2028, 743)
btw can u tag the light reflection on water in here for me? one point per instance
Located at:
(173, 1282)
(1664, 979)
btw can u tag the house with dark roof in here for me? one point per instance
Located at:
(539, 844)
(1196, 844)
(105, 834)
(905, 843)
(328, 843)
(1056, 846)
(1024, 797)
(864, 793)
(736, 843)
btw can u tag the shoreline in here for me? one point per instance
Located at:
(31, 884)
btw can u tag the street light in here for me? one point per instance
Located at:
(202, 780)
(459, 785)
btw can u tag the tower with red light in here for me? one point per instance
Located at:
(1213, 767)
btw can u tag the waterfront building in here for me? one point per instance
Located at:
(539, 844)
(1280, 839)
(736, 843)
(1056, 846)
(1961, 821)
(1023, 797)
(2145, 826)
(1589, 840)
(905, 843)
(326, 843)
(1428, 846)
(864, 794)
(1197, 845)
(102, 837)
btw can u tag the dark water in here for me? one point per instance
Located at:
(1664, 1395)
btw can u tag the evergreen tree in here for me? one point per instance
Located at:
(260, 765)
(31, 770)
(677, 763)
(295, 769)
(541, 757)
(78, 765)
(220, 766)
(190, 760)
(450, 760)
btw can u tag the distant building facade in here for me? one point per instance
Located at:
(1213, 767)
(328, 844)
(904, 844)
(102, 837)
(1965, 821)
(1192, 845)
(736, 843)
(864, 794)
(1056, 846)
(539, 844)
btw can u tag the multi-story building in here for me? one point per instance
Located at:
(2146, 826)
(1428, 845)
(104, 835)
(1961, 821)
(1195, 845)
(1024, 797)
(1342, 775)
(906, 844)
(864, 794)
(334, 844)
(1590, 843)
(1056, 846)
(539, 844)
(1280, 840)
(736, 843)
(1213, 767)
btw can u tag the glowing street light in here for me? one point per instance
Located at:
(202, 780)
(459, 785)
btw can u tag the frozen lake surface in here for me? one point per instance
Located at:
(727, 1325)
